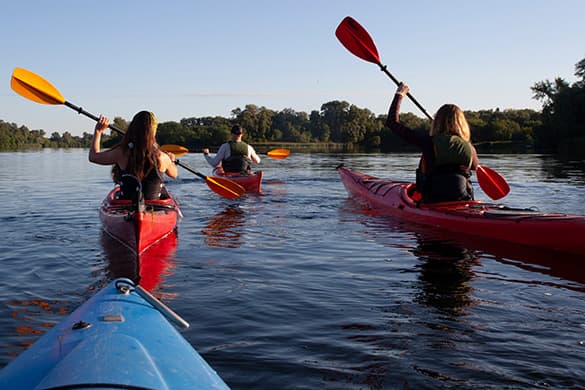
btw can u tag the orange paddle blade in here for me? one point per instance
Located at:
(278, 154)
(177, 150)
(492, 183)
(225, 187)
(34, 87)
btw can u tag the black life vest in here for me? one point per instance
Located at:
(151, 185)
(238, 160)
(447, 177)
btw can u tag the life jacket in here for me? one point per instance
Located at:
(447, 177)
(151, 185)
(238, 160)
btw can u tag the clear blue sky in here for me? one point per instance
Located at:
(196, 58)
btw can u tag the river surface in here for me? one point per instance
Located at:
(302, 288)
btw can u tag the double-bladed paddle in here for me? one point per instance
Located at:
(358, 41)
(37, 89)
(277, 154)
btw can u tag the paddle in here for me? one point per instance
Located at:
(492, 183)
(177, 150)
(278, 154)
(37, 89)
(357, 40)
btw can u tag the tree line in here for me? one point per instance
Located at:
(561, 122)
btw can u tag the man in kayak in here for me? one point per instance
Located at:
(136, 158)
(234, 155)
(448, 157)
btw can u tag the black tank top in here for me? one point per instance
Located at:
(151, 184)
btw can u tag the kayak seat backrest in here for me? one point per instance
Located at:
(130, 188)
(159, 202)
(166, 204)
(121, 202)
(155, 204)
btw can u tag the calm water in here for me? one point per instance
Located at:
(303, 289)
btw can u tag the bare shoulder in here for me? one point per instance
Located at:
(164, 161)
(114, 155)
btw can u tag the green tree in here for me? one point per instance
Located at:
(563, 110)
(319, 130)
(333, 115)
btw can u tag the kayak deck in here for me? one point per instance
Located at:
(559, 232)
(119, 338)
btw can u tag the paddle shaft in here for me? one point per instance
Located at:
(384, 69)
(119, 131)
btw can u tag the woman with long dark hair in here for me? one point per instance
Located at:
(137, 155)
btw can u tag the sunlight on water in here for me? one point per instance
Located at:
(301, 287)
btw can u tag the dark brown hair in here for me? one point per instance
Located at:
(139, 144)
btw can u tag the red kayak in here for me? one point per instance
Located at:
(139, 226)
(251, 182)
(561, 232)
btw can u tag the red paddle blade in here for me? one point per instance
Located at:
(492, 183)
(356, 39)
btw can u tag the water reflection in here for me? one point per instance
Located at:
(467, 249)
(149, 269)
(566, 168)
(566, 266)
(445, 274)
(29, 323)
(225, 230)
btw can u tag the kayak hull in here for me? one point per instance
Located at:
(135, 228)
(251, 182)
(114, 340)
(561, 232)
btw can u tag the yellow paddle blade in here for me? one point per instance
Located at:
(34, 87)
(278, 154)
(225, 187)
(177, 150)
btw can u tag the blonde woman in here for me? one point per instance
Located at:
(137, 156)
(448, 157)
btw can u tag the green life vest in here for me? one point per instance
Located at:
(447, 179)
(238, 160)
(238, 148)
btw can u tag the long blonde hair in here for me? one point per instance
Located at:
(450, 120)
(139, 144)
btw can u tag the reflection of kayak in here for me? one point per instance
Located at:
(149, 269)
(139, 226)
(520, 226)
(118, 339)
(225, 229)
(251, 182)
